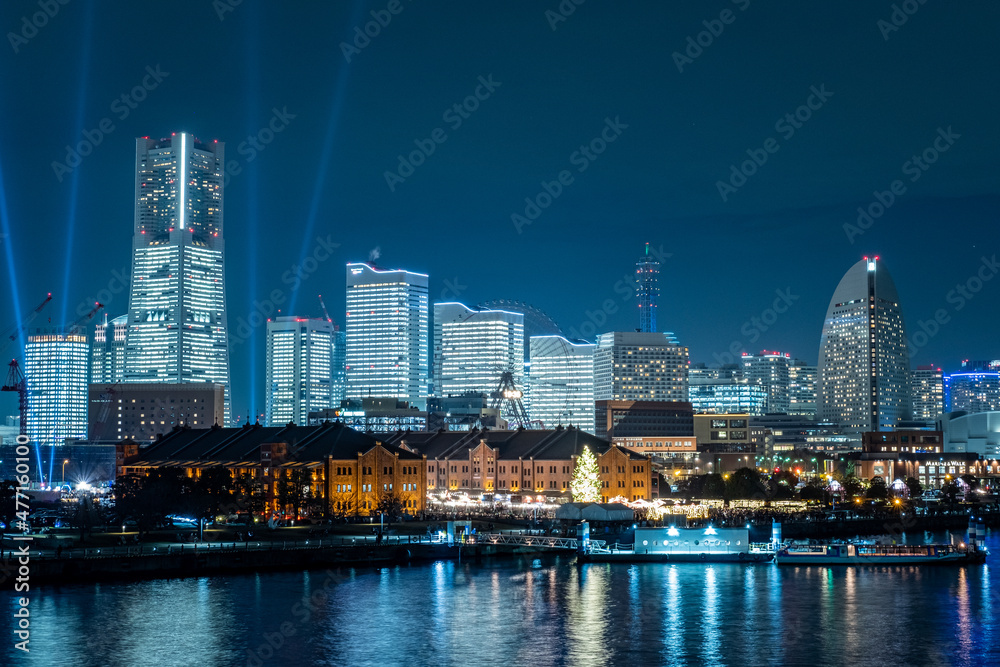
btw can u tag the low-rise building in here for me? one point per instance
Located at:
(631, 419)
(523, 463)
(350, 470)
(142, 411)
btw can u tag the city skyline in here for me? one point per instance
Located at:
(307, 191)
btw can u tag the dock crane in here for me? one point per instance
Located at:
(15, 377)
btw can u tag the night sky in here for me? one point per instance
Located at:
(675, 118)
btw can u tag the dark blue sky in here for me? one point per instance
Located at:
(883, 100)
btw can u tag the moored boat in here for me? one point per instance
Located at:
(877, 554)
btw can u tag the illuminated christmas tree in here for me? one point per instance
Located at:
(586, 484)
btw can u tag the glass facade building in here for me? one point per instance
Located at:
(562, 382)
(56, 369)
(473, 347)
(387, 333)
(769, 369)
(107, 362)
(725, 396)
(973, 392)
(864, 367)
(637, 366)
(299, 369)
(927, 393)
(802, 389)
(177, 326)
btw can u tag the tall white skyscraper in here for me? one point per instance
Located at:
(640, 366)
(473, 346)
(562, 382)
(55, 368)
(107, 362)
(770, 369)
(299, 369)
(864, 366)
(387, 333)
(177, 327)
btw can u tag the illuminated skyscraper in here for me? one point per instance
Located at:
(975, 389)
(473, 346)
(562, 382)
(299, 369)
(927, 393)
(339, 363)
(769, 369)
(864, 366)
(387, 333)
(802, 389)
(177, 328)
(635, 366)
(647, 290)
(55, 367)
(107, 362)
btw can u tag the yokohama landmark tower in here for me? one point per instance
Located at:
(177, 330)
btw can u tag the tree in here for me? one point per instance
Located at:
(390, 506)
(746, 483)
(852, 486)
(250, 494)
(878, 489)
(713, 486)
(586, 484)
(916, 489)
(8, 491)
(292, 490)
(811, 492)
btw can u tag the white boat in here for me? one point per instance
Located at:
(878, 554)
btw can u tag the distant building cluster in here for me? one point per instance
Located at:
(451, 382)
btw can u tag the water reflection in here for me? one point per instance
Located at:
(550, 612)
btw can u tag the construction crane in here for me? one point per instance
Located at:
(14, 331)
(86, 318)
(15, 376)
(326, 313)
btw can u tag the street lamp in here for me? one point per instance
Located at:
(65, 461)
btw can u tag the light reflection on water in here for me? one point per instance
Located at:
(527, 612)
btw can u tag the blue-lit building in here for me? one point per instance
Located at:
(56, 372)
(647, 290)
(387, 334)
(299, 369)
(562, 382)
(728, 396)
(177, 323)
(474, 346)
(976, 388)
